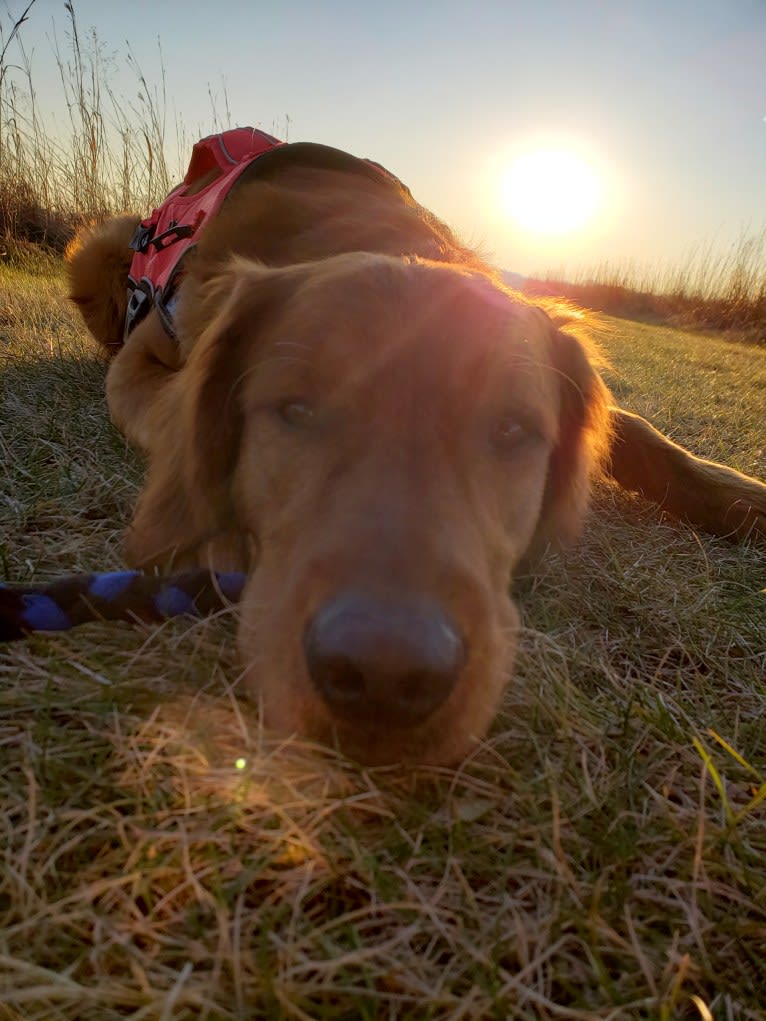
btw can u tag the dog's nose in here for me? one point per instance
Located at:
(373, 660)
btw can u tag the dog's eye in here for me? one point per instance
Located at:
(508, 433)
(298, 414)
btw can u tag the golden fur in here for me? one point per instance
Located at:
(356, 404)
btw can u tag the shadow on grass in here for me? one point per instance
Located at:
(67, 478)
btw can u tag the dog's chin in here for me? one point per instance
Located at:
(425, 745)
(450, 734)
(381, 745)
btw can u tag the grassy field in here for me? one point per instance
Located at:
(603, 855)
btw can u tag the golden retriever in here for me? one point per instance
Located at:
(356, 411)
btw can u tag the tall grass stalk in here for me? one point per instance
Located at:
(112, 157)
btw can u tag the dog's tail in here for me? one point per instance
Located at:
(99, 261)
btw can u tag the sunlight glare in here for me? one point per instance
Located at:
(551, 191)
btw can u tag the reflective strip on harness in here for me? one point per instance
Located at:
(163, 239)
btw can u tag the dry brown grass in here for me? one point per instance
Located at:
(110, 157)
(718, 290)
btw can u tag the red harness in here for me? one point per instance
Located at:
(164, 238)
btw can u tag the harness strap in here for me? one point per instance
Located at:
(163, 240)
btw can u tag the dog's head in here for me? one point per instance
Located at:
(395, 436)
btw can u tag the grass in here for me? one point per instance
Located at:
(602, 856)
(716, 290)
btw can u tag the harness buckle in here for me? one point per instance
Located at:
(139, 303)
(143, 237)
(175, 232)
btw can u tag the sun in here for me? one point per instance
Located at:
(551, 191)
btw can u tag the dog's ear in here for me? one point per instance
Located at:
(98, 263)
(197, 422)
(582, 444)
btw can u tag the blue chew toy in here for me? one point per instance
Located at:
(116, 595)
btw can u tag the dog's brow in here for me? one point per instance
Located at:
(253, 370)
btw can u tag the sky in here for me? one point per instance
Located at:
(665, 101)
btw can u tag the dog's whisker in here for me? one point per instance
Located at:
(293, 343)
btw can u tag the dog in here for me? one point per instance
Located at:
(336, 396)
